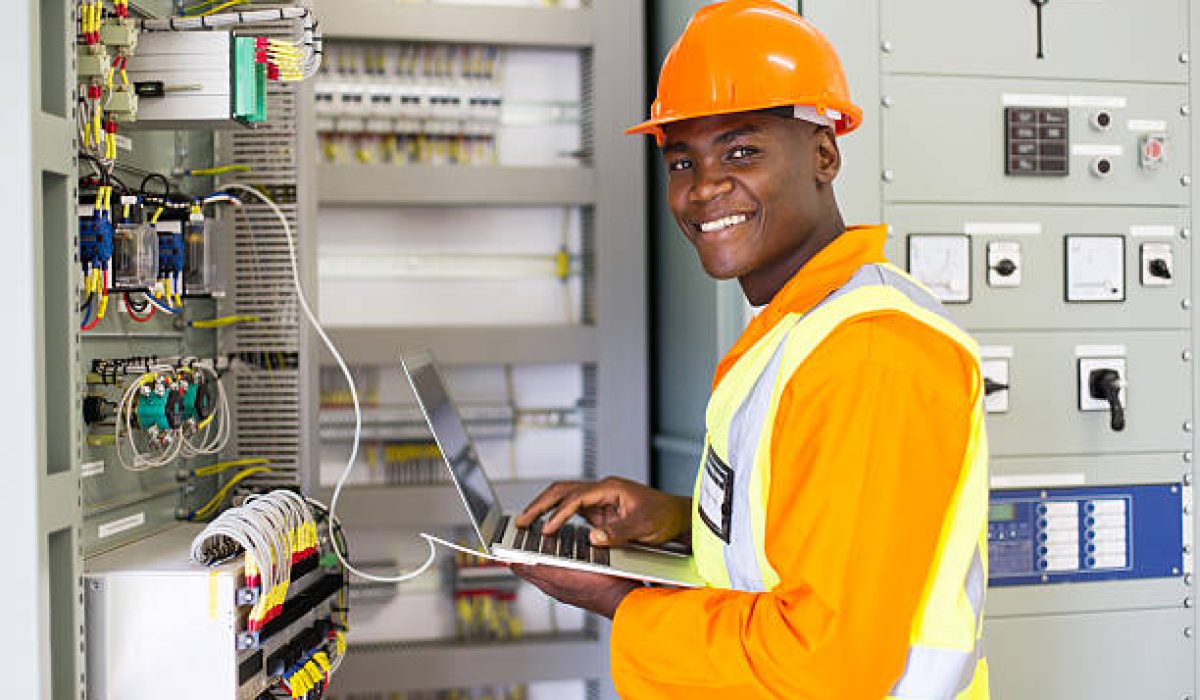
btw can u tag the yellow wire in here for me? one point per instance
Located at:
(220, 170)
(223, 6)
(219, 467)
(224, 321)
(157, 213)
(212, 506)
(194, 10)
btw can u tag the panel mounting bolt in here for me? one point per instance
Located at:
(1187, 426)
(1187, 355)
(1185, 110)
(1186, 303)
(887, 101)
(1187, 579)
(1184, 57)
(1185, 233)
(1185, 180)
(887, 46)
(1187, 632)
(889, 176)
(1187, 456)
(1187, 479)
(1187, 602)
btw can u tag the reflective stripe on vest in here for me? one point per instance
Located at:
(945, 657)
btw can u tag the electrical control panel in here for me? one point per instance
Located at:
(1074, 535)
(1064, 157)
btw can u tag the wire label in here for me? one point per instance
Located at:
(118, 526)
(89, 469)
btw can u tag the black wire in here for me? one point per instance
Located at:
(86, 301)
(166, 193)
(145, 304)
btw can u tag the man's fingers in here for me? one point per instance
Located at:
(545, 501)
(566, 509)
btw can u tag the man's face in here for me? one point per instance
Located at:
(743, 188)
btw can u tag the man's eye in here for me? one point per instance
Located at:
(740, 152)
(681, 164)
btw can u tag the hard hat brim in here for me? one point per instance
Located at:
(851, 119)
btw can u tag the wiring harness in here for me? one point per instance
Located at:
(170, 411)
(278, 534)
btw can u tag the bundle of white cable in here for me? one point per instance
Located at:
(263, 527)
(142, 460)
(215, 434)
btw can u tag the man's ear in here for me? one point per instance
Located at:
(828, 156)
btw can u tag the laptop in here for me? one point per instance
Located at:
(498, 534)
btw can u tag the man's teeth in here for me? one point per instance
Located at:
(724, 222)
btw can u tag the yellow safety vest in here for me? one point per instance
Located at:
(945, 657)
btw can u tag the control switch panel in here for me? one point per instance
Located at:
(942, 263)
(1095, 268)
(995, 385)
(1158, 264)
(1038, 141)
(1004, 263)
(1102, 387)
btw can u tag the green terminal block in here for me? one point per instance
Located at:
(92, 61)
(249, 83)
(120, 33)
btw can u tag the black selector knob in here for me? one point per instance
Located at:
(1005, 267)
(95, 410)
(1105, 385)
(991, 386)
(1160, 269)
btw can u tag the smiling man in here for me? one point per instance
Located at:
(839, 515)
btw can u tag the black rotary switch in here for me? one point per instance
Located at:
(1005, 268)
(1160, 269)
(1105, 385)
(991, 386)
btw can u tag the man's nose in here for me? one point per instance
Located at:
(711, 183)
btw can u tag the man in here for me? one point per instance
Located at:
(839, 516)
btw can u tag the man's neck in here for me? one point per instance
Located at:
(761, 286)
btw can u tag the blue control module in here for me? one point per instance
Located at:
(1102, 533)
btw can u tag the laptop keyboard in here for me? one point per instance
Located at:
(570, 542)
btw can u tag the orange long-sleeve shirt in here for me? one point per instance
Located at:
(867, 448)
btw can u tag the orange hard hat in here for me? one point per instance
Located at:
(744, 55)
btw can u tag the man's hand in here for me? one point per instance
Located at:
(593, 592)
(619, 510)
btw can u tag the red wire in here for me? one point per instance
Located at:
(95, 320)
(140, 319)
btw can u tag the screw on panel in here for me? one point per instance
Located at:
(1187, 632)
(1185, 180)
(1186, 303)
(1185, 233)
(1187, 479)
(1185, 110)
(1187, 579)
(1187, 456)
(1187, 355)
(887, 101)
(1187, 602)
(1184, 57)
(889, 176)
(1187, 426)
(887, 46)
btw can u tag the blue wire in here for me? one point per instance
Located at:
(87, 309)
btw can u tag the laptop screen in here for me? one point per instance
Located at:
(451, 435)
